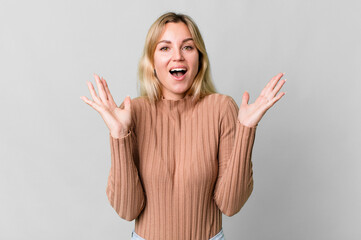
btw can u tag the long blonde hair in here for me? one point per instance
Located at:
(149, 84)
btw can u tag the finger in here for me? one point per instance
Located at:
(127, 104)
(93, 93)
(274, 81)
(91, 103)
(270, 85)
(278, 76)
(274, 78)
(278, 87)
(266, 89)
(278, 97)
(101, 90)
(245, 98)
(110, 97)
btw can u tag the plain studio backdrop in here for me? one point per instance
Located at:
(55, 150)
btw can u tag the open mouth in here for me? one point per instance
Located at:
(178, 72)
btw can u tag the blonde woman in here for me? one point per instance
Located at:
(180, 153)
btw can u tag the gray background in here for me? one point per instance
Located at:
(55, 153)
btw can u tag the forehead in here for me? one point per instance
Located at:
(175, 32)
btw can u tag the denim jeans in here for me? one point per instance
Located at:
(218, 236)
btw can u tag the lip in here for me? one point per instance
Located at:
(181, 77)
(178, 78)
(180, 66)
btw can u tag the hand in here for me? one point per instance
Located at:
(117, 120)
(250, 114)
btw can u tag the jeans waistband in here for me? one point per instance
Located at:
(218, 236)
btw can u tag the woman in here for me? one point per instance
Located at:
(180, 153)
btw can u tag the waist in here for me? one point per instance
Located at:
(218, 236)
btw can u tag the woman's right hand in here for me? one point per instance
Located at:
(118, 120)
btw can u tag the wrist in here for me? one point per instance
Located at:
(120, 134)
(246, 124)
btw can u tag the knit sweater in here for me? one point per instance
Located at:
(181, 165)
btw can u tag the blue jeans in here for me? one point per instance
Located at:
(218, 236)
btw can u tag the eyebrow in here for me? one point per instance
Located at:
(167, 41)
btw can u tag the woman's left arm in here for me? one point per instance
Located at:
(235, 176)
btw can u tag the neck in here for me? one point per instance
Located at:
(174, 98)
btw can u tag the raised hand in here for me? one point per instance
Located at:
(250, 114)
(117, 120)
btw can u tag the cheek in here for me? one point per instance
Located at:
(160, 61)
(195, 63)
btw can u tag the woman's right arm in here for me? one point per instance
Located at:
(124, 189)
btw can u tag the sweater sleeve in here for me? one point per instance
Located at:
(124, 190)
(235, 176)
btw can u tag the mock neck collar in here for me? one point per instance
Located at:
(184, 99)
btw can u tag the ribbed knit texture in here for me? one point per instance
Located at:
(181, 166)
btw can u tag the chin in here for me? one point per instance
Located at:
(180, 90)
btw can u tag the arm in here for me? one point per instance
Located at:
(124, 189)
(235, 181)
(235, 176)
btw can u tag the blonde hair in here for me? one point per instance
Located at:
(149, 84)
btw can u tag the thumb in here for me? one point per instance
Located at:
(245, 98)
(127, 104)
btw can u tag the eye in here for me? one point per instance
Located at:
(164, 49)
(188, 47)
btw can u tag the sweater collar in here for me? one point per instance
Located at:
(184, 99)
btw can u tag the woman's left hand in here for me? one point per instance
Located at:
(250, 114)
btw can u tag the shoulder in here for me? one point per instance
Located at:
(139, 105)
(220, 100)
(136, 102)
(222, 105)
(219, 104)
(141, 100)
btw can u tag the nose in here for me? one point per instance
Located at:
(178, 55)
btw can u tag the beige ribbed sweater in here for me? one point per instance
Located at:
(181, 166)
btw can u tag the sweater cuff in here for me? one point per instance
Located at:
(245, 136)
(244, 126)
(126, 136)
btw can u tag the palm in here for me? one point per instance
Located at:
(123, 116)
(117, 119)
(251, 114)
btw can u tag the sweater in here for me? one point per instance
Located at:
(181, 165)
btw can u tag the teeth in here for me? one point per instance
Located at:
(178, 69)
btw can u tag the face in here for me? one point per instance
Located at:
(176, 60)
